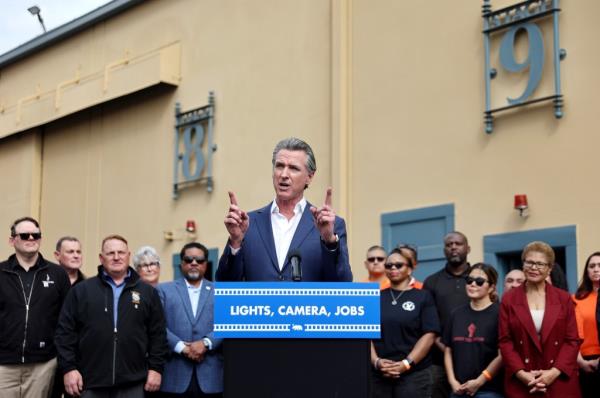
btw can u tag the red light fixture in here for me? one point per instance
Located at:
(190, 226)
(522, 205)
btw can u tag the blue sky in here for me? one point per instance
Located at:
(18, 26)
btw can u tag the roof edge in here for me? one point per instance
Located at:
(66, 30)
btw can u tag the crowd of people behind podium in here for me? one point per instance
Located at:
(121, 334)
(456, 337)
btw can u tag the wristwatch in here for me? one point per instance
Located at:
(334, 245)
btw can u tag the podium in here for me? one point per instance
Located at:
(296, 339)
(297, 368)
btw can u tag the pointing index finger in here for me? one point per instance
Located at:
(328, 197)
(232, 198)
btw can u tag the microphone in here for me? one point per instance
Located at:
(295, 259)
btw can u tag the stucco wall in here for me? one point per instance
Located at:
(389, 94)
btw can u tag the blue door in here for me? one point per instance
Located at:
(424, 228)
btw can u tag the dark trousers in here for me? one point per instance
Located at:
(589, 382)
(193, 391)
(416, 384)
(58, 390)
(440, 387)
(130, 391)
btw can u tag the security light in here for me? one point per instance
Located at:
(35, 10)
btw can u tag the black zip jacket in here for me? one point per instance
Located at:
(105, 355)
(28, 318)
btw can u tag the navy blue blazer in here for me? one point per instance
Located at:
(183, 326)
(257, 258)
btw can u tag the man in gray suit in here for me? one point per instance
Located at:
(195, 368)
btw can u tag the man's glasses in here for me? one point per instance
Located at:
(373, 259)
(191, 259)
(26, 235)
(534, 264)
(479, 281)
(395, 265)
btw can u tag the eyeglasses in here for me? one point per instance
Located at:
(26, 235)
(153, 264)
(373, 259)
(479, 281)
(191, 259)
(395, 265)
(535, 264)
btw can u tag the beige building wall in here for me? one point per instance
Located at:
(20, 173)
(388, 93)
(418, 126)
(109, 169)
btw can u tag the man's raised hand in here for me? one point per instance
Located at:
(236, 222)
(325, 219)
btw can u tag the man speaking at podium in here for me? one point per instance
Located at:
(262, 242)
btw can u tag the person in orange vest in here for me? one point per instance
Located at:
(374, 263)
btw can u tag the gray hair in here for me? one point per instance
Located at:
(145, 252)
(296, 144)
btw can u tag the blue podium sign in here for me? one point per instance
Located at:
(297, 310)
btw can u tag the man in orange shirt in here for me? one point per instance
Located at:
(374, 263)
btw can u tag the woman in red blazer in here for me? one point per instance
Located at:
(538, 333)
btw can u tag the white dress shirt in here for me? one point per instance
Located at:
(194, 295)
(284, 229)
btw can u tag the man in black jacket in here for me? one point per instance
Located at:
(69, 257)
(32, 291)
(111, 335)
